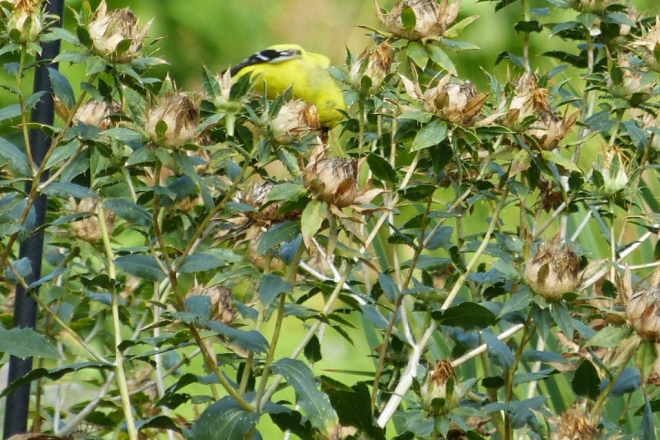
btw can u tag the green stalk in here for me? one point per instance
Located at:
(119, 356)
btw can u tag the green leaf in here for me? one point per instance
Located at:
(408, 18)
(417, 193)
(223, 420)
(390, 289)
(467, 315)
(608, 337)
(416, 52)
(54, 374)
(440, 57)
(55, 273)
(500, 352)
(315, 403)
(25, 342)
(15, 157)
(271, 287)
(312, 350)
(129, 211)
(431, 134)
(279, 233)
(66, 190)
(141, 266)
(200, 263)
(381, 168)
(286, 191)
(586, 382)
(562, 317)
(560, 160)
(10, 111)
(312, 218)
(62, 88)
(250, 340)
(647, 427)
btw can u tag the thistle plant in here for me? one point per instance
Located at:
(490, 252)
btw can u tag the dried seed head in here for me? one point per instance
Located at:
(458, 103)
(333, 180)
(532, 101)
(109, 32)
(553, 271)
(89, 228)
(222, 302)
(596, 7)
(375, 64)
(97, 113)
(430, 18)
(647, 47)
(631, 80)
(643, 312)
(257, 196)
(25, 23)
(295, 119)
(174, 121)
(442, 385)
(575, 424)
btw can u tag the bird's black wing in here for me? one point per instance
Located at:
(264, 56)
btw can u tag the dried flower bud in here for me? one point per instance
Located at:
(374, 64)
(458, 103)
(441, 393)
(575, 424)
(643, 312)
(532, 101)
(333, 180)
(553, 271)
(596, 7)
(89, 228)
(631, 81)
(295, 119)
(97, 113)
(647, 47)
(222, 302)
(173, 122)
(431, 19)
(116, 36)
(25, 23)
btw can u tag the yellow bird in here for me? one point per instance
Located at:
(288, 65)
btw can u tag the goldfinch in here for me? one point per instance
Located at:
(288, 65)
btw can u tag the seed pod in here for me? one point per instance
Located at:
(553, 271)
(643, 312)
(575, 424)
(222, 302)
(109, 32)
(441, 385)
(97, 113)
(180, 115)
(333, 180)
(295, 119)
(25, 23)
(647, 47)
(532, 101)
(458, 103)
(375, 64)
(89, 228)
(431, 19)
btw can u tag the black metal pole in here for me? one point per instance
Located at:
(25, 311)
